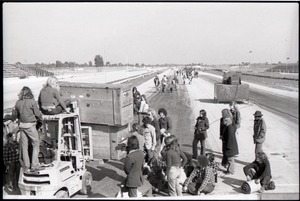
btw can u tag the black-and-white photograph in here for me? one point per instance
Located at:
(120, 100)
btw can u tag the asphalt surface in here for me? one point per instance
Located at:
(183, 107)
(287, 107)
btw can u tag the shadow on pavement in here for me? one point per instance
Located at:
(234, 183)
(101, 172)
(118, 164)
(206, 100)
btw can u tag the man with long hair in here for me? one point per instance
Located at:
(28, 113)
(260, 171)
(133, 166)
(175, 160)
(50, 100)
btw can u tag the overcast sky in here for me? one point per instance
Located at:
(151, 33)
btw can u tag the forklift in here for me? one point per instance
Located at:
(62, 156)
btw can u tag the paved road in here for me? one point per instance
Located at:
(281, 105)
(183, 107)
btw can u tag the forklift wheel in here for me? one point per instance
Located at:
(62, 194)
(86, 183)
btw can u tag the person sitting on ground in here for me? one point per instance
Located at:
(212, 163)
(205, 180)
(50, 100)
(260, 171)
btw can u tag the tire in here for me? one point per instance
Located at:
(62, 194)
(86, 183)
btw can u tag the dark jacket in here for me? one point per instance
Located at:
(262, 170)
(50, 97)
(133, 167)
(236, 117)
(155, 124)
(222, 127)
(136, 97)
(202, 124)
(174, 158)
(27, 111)
(260, 130)
(230, 145)
(165, 123)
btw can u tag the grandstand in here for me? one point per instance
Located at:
(22, 71)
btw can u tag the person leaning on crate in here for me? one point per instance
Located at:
(136, 100)
(50, 100)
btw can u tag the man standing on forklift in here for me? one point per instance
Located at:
(28, 113)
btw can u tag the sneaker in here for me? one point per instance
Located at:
(261, 190)
(10, 188)
(26, 170)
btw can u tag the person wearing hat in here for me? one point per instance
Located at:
(205, 180)
(259, 129)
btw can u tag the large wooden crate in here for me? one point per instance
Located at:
(105, 104)
(226, 92)
(105, 140)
